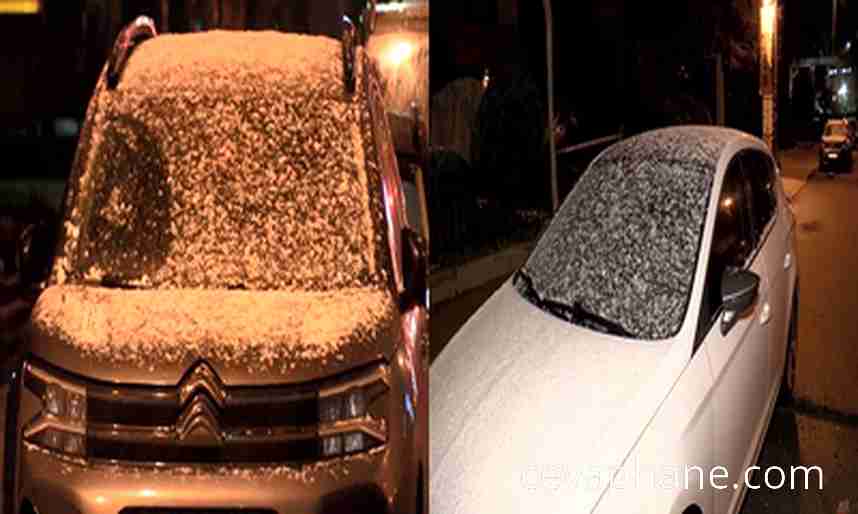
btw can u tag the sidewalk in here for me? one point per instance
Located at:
(794, 169)
(448, 283)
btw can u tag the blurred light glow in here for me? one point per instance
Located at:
(20, 6)
(844, 90)
(399, 52)
(767, 28)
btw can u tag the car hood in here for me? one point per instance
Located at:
(526, 407)
(834, 140)
(249, 337)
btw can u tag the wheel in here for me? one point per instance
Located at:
(786, 395)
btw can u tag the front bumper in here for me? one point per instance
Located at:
(382, 480)
(358, 484)
(830, 156)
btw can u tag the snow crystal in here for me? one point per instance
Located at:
(262, 329)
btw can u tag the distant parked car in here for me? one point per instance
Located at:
(650, 331)
(235, 320)
(836, 147)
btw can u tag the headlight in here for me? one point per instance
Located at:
(346, 423)
(60, 424)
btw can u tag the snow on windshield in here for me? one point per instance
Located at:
(229, 160)
(625, 241)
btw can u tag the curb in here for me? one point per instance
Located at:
(448, 283)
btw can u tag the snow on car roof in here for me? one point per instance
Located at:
(624, 243)
(227, 61)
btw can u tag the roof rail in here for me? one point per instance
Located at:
(139, 30)
(349, 43)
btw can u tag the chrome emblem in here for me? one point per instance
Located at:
(202, 394)
(202, 378)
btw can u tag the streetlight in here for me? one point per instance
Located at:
(768, 67)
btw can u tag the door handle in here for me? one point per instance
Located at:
(765, 313)
(787, 260)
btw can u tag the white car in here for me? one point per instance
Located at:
(636, 358)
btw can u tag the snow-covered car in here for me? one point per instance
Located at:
(837, 145)
(235, 319)
(648, 334)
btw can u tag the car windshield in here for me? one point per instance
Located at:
(836, 129)
(620, 254)
(252, 192)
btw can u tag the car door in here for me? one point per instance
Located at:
(738, 357)
(772, 229)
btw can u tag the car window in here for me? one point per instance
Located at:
(731, 242)
(267, 198)
(761, 178)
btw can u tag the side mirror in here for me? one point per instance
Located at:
(35, 250)
(739, 289)
(414, 271)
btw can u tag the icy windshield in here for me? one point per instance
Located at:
(621, 251)
(249, 192)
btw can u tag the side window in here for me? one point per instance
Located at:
(760, 173)
(731, 241)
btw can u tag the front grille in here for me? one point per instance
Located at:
(203, 421)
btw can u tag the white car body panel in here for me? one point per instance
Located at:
(655, 407)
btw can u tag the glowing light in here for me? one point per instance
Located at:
(399, 53)
(844, 90)
(148, 493)
(727, 203)
(767, 28)
(19, 6)
(100, 499)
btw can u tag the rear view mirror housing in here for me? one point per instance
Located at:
(739, 290)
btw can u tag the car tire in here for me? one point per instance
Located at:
(786, 395)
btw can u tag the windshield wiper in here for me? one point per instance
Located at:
(575, 313)
(114, 282)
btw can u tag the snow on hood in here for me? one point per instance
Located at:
(259, 329)
(625, 241)
(519, 393)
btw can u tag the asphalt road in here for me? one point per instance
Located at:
(821, 429)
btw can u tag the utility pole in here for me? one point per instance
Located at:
(769, 14)
(549, 51)
(833, 27)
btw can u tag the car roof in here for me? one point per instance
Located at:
(701, 147)
(221, 62)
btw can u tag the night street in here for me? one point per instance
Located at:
(822, 429)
